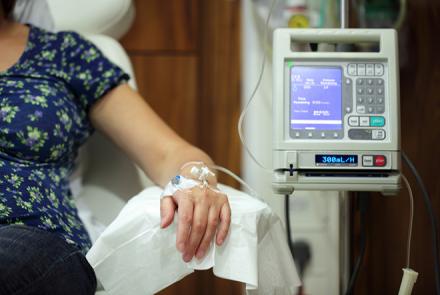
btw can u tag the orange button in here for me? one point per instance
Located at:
(380, 161)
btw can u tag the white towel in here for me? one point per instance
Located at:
(135, 256)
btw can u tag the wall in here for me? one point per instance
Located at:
(185, 55)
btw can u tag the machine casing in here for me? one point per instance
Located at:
(367, 77)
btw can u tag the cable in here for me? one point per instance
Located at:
(432, 219)
(300, 250)
(402, 15)
(288, 231)
(287, 216)
(362, 206)
(257, 86)
(411, 218)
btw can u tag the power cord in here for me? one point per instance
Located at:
(300, 250)
(287, 216)
(432, 219)
(362, 203)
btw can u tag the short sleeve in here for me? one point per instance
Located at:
(87, 71)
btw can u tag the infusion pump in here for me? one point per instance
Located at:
(336, 113)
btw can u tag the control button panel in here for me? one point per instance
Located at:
(374, 161)
(368, 69)
(370, 95)
(366, 121)
(366, 134)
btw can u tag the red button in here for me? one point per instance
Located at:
(380, 161)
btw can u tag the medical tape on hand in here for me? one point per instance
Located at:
(179, 183)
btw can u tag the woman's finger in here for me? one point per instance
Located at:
(213, 220)
(167, 209)
(198, 228)
(225, 221)
(185, 212)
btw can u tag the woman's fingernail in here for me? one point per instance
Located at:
(200, 254)
(187, 257)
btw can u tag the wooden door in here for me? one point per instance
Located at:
(387, 222)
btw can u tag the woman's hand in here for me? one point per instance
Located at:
(202, 212)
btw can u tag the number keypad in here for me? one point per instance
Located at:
(370, 95)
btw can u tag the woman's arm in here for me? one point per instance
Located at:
(124, 116)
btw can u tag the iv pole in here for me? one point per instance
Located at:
(344, 14)
(344, 203)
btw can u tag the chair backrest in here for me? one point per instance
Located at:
(101, 164)
(107, 17)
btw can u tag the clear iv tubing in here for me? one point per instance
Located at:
(237, 178)
(226, 171)
(251, 98)
(411, 218)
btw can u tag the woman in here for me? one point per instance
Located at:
(55, 88)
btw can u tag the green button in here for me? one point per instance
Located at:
(377, 121)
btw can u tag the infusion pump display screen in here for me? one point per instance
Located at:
(315, 98)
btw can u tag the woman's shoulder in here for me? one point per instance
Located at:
(62, 40)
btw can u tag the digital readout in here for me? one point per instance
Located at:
(337, 160)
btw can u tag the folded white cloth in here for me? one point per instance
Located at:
(135, 256)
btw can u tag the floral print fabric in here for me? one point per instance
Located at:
(44, 102)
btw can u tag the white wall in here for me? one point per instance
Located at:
(314, 215)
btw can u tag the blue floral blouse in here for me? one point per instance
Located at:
(44, 102)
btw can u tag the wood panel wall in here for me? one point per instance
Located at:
(387, 222)
(185, 55)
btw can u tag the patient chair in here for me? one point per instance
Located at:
(104, 178)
